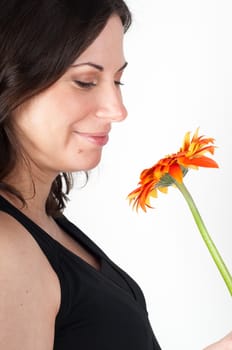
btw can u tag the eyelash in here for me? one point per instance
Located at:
(88, 85)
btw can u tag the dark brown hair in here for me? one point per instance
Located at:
(39, 40)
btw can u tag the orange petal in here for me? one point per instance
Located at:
(201, 161)
(176, 172)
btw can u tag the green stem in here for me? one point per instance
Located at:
(206, 237)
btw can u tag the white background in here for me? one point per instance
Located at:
(179, 78)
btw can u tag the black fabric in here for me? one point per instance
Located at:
(100, 310)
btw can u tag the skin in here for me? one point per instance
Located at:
(223, 344)
(62, 129)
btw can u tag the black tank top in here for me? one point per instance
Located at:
(100, 310)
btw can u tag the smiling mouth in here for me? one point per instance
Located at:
(98, 139)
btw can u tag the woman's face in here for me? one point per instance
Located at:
(65, 127)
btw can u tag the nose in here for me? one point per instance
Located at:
(111, 106)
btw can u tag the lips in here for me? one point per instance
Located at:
(99, 139)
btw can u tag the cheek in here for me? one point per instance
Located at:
(68, 112)
(46, 124)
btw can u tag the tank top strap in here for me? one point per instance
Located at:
(45, 242)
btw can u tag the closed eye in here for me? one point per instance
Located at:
(85, 84)
(90, 84)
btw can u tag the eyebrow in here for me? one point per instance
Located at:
(97, 66)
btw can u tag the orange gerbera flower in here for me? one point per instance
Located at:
(172, 169)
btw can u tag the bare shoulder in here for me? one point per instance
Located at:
(29, 290)
(18, 246)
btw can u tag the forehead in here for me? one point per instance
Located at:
(108, 46)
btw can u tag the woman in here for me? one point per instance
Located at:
(60, 74)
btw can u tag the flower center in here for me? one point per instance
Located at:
(167, 180)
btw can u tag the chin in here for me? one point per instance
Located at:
(92, 165)
(84, 165)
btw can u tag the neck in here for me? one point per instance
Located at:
(35, 190)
